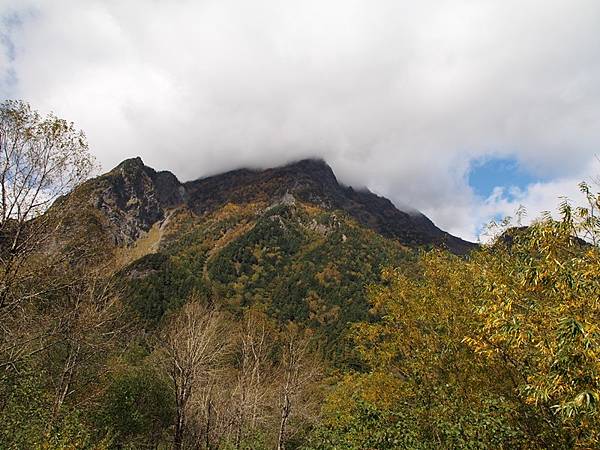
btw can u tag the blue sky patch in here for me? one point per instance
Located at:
(485, 175)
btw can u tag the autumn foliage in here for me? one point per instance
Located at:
(286, 325)
(497, 350)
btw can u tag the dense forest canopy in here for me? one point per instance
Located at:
(288, 320)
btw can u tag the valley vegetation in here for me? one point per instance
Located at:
(128, 321)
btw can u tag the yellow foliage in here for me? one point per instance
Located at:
(516, 323)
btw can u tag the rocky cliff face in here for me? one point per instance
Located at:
(133, 197)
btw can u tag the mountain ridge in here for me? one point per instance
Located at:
(135, 197)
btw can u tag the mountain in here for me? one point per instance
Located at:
(134, 197)
(291, 239)
(314, 182)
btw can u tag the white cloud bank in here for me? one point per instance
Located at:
(396, 95)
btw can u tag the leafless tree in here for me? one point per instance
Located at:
(254, 375)
(193, 344)
(299, 370)
(210, 417)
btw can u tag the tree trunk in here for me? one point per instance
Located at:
(240, 422)
(208, 424)
(285, 412)
(179, 428)
(238, 434)
(64, 385)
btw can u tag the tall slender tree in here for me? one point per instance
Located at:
(299, 369)
(193, 344)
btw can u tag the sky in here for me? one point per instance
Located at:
(463, 109)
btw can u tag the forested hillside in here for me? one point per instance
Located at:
(277, 308)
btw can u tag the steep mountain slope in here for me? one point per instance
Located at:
(314, 182)
(133, 197)
(291, 240)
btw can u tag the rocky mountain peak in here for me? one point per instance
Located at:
(134, 196)
(317, 169)
(130, 164)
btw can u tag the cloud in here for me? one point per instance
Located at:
(399, 96)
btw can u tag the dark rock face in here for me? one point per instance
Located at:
(313, 181)
(134, 197)
(308, 180)
(412, 229)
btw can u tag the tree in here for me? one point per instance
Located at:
(299, 370)
(538, 313)
(193, 344)
(41, 159)
(254, 374)
(87, 318)
(496, 350)
(423, 387)
(137, 406)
